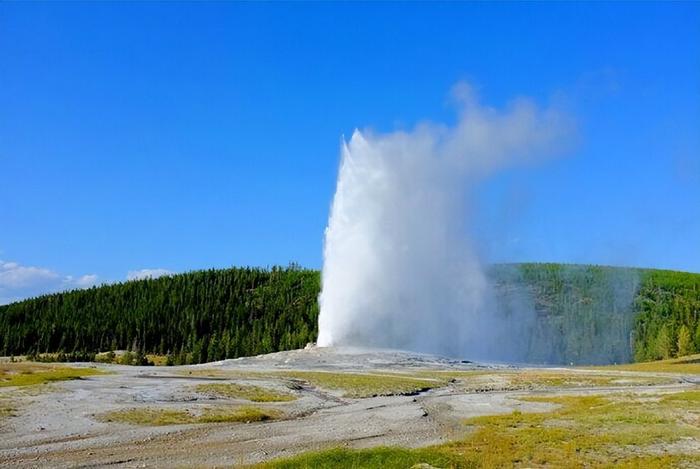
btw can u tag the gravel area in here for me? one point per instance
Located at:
(59, 425)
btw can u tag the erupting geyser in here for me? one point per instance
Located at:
(399, 268)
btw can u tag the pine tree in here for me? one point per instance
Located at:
(664, 344)
(685, 345)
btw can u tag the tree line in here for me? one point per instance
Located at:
(582, 314)
(586, 314)
(667, 312)
(194, 317)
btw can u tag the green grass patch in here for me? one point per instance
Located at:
(240, 414)
(27, 374)
(160, 416)
(242, 391)
(400, 458)
(384, 457)
(359, 385)
(583, 431)
(149, 417)
(690, 397)
(682, 365)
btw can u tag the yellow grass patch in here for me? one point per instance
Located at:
(27, 373)
(360, 385)
(243, 391)
(160, 416)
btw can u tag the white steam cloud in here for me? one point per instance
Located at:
(399, 268)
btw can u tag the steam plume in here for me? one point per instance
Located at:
(399, 268)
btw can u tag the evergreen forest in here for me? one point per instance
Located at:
(582, 314)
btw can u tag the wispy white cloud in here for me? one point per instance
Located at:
(16, 276)
(84, 281)
(19, 281)
(147, 273)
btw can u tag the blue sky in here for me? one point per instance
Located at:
(182, 136)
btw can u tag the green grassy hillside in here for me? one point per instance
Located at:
(570, 314)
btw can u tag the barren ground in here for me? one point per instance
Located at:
(77, 423)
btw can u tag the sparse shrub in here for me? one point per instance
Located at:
(134, 359)
(141, 360)
(127, 358)
(109, 357)
(62, 357)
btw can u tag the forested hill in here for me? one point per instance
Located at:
(197, 316)
(584, 314)
(579, 314)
